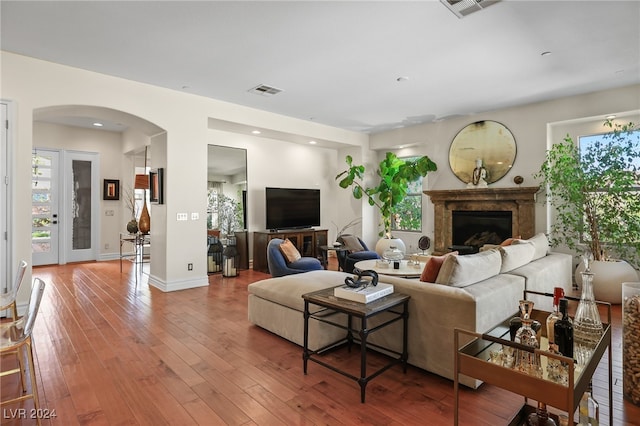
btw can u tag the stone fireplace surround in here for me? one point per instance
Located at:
(520, 201)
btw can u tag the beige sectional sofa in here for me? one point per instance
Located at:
(473, 292)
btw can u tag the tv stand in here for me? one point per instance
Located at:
(306, 240)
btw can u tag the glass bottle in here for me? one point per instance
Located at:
(589, 409)
(540, 417)
(587, 326)
(526, 361)
(558, 293)
(564, 331)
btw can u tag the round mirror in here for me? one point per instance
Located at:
(488, 142)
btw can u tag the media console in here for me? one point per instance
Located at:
(306, 241)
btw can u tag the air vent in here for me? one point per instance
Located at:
(462, 8)
(265, 90)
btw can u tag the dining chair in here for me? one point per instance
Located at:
(8, 299)
(15, 337)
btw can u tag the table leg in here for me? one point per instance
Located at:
(305, 348)
(363, 359)
(405, 336)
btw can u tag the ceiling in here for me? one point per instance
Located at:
(356, 65)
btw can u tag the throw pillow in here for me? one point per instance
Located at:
(540, 243)
(462, 271)
(432, 267)
(515, 256)
(509, 241)
(289, 251)
(352, 243)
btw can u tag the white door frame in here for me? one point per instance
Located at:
(52, 256)
(6, 195)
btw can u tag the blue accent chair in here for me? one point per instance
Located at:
(347, 260)
(278, 265)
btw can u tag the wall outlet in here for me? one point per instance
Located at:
(189, 266)
(106, 246)
(195, 216)
(109, 212)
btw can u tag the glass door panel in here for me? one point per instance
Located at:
(44, 207)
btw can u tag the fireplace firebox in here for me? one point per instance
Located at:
(472, 229)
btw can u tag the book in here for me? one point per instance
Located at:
(363, 294)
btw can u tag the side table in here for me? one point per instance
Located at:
(324, 250)
(329, 303)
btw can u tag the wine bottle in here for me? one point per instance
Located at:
(558, 293)
(563, 331)
(589, 409)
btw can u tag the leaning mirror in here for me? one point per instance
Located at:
(488, 142)
(226, 190)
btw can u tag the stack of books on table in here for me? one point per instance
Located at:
(363, 294)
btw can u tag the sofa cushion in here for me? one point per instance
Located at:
(540, 243)
(432, 267)
(515, 256)
(352, 243)
(289, 251)
(461, 271)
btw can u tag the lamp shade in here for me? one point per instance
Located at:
(141, 182)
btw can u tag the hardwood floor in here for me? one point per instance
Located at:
(110, 352)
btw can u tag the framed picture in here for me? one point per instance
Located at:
(111, 189)
(156, 186)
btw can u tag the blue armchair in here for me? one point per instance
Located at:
(348, 259)
(278, 265)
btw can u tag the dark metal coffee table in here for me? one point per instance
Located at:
(328, 303)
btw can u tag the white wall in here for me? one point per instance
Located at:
(528, 123)
(35, 84)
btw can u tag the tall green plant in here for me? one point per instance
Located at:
(596, 193)
(395, 176)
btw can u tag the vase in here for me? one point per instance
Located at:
(144, 224)
(132, 226)
(587, 325)
(608, 278)
(384, 244)
(630, 344)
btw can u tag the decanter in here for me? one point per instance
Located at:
(587, 326)
(558, 293)
(540, 417)
(527, 362)
(393, 255)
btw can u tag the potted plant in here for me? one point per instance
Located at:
(595, 192)
(395, 175)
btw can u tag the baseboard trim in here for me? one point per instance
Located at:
(178, 284)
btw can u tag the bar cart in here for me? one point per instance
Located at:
(474, 360)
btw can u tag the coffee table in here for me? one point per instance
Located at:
(328, 303)
(404, 270)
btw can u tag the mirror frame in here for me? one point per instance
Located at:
(488, 140)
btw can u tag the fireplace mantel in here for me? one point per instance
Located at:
(520, 201)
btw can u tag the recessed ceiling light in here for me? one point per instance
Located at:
(402, 79)
(547, 53)
(98, 124)
(313, 142)
(610, 117)
(256, 132)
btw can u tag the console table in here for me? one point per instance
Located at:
(139, 242)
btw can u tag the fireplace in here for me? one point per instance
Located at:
(470, 230)
(518, 202)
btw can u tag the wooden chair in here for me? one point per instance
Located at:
(15, 337)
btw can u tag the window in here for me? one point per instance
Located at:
(408, 213)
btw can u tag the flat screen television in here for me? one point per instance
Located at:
(289, 208)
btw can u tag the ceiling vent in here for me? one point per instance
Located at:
(265, 90)
(462, 8)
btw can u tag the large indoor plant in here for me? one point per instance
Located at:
(595, 192)
(395, 174)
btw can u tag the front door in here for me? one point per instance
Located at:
(45, 200)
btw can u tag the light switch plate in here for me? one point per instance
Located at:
(182, 216)
(195, 216)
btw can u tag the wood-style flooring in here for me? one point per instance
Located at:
(113, 351)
